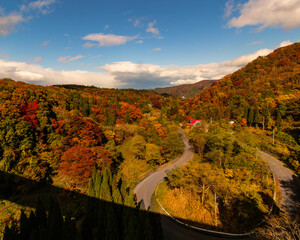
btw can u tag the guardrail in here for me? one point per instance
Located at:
(203, 230)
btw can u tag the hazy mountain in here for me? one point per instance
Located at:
(186, 90)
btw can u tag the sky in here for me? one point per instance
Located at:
(137, 43)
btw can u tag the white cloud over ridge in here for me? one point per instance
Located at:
(36, 74)
(106, 40)
(127, 74)
(266, 13)
(149, 75)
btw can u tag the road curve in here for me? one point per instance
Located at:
(146, 188)
(289, 187)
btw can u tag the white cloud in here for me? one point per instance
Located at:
(156, 49)
(152, 29)
(36, 74)
(42, 6)
(243, 60)
(127, 74)
(229, 8)
(268, 13)
(139, 41)
(106, 40)
(89, 45)
(285, 43)
(38, 59)
(29, 76)
(8, 23)
(150, 75)
(69, 59)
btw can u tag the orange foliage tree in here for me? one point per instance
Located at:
(78, 163)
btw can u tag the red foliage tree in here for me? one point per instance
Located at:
(28, 112)
(78, 163)
(85, 132)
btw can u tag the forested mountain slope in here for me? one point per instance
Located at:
(266, 94)
(270, 83)
(186, 90)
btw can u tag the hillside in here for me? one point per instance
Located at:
(270, 83)
(80, 143)
(265, 93)
(186, 90)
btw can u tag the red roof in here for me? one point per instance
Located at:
(193, 122)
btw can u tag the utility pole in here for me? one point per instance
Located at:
(263, 123)
(216, 209)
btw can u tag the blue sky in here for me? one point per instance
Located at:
(137, 43)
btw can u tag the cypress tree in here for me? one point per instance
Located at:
(116, 195)
(91, 188)
(97, 185)
(24, 227)
(55, 220)
(10, 233)
(41, 216)
(105, 191)
(256, 116)
(266, 114)
(69, 229)
(278, 122)
(250, 116)
(246, 111)
(111, 223)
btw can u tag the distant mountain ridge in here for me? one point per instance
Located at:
(186, 90)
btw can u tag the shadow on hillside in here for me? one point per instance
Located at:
(95, 215)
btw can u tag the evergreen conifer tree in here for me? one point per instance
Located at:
(24, 227)
(256, 116)
(250, 117)
(55, 220)
(278, 122)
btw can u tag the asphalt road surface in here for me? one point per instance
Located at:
(145, 189)
(289, 200)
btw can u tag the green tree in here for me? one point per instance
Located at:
(256, 116)
(153, 155)
(278, 122)
(250, 116)
(138, 147)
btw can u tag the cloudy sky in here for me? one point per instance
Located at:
(138, 43)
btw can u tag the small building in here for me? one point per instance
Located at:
(193, 122)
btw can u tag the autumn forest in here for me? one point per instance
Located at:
(71, 155)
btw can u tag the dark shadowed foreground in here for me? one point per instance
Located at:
(99, 220)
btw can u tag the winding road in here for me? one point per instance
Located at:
(145, 189)
(289, 187)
